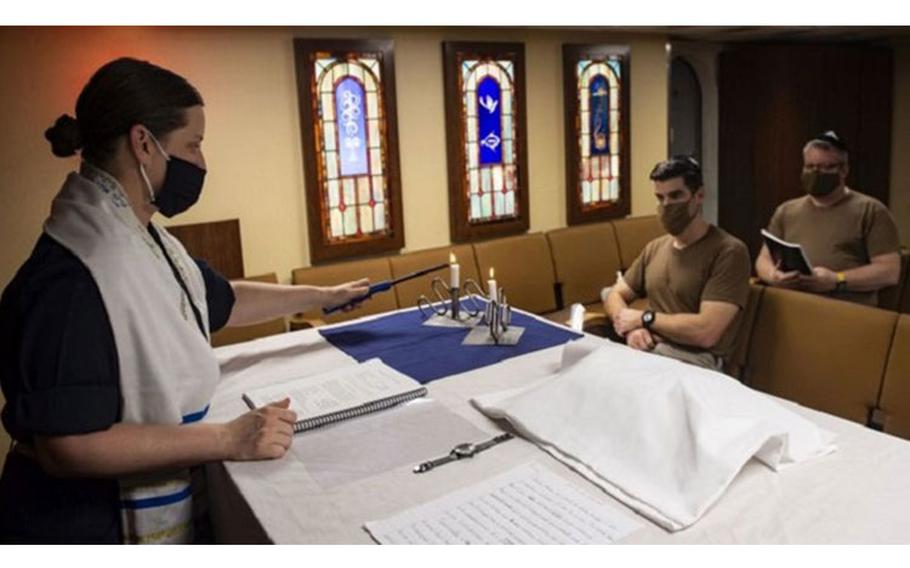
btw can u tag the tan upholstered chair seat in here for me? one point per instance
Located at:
(895, 398)
(826, 354)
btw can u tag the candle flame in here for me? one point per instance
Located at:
(491, 273)
(452, 259)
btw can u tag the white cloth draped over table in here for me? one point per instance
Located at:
(664, 437)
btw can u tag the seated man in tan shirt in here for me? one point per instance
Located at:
(850, 239)
(696, 278)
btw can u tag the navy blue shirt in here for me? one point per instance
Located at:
(60, 376)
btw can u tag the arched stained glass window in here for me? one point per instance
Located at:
(490, 136)
(485, 123)
(597, 157)
(350, 151)
(599, 144)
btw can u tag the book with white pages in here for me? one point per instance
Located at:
(339, 394)
(788, 256)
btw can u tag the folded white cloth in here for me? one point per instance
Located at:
(664, 437)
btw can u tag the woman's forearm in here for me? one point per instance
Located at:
(256, 302)
(128, 449)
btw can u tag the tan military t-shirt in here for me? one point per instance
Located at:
(715, 268)
(846, 235)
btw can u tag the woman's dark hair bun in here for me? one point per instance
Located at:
(65, 136)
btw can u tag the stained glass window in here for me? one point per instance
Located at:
(599, 144)
(486, 114)
(489, 135)
(348, 117)
(352, 157)
(599, 164)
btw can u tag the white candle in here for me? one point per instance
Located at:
(454, 272)
(491, 287)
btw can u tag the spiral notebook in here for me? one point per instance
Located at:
(339, 394)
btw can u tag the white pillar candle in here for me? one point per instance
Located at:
(454, 272)
(491, 287)
(577, 317)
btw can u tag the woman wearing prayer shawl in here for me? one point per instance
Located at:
(106, 363)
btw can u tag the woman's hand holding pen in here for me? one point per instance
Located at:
(261, 433)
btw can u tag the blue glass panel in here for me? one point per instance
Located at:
(490, 123)
(349, 104)
(599, 92)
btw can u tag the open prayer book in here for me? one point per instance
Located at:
(790, 256)
(339, 394)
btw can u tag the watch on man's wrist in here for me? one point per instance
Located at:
(647, 319)
(841, 282)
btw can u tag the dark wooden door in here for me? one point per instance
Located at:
(773, 99)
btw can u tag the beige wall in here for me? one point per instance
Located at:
(253, 136)
(900, 142)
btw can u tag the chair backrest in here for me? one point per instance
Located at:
(890, 298)
(216, 242)
(229, 335)
(819, 352)
(586, 258)
(524, 268)
(633, 233)
(737, 363)
(408, 292)
(376, 269)
(895, 398)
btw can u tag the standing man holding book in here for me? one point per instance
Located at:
(850, 238)
(696, 278)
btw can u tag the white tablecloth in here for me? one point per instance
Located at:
(859, 494)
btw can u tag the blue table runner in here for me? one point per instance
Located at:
(426, 353)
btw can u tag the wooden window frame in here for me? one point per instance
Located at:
(575, 212)
(461, 230)
(321, 250)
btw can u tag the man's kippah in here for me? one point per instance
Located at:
(832, 138)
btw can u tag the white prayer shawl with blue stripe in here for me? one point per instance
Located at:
(168, 371)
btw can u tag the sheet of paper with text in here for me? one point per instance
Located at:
(526, 505)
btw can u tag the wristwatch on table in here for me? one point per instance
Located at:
(462, 451)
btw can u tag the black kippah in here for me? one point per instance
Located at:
(691, 161)
(832, 138)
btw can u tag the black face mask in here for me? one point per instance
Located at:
(182, 185)
(818, 184)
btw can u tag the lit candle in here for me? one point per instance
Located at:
(491, 287)
(454, 272)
